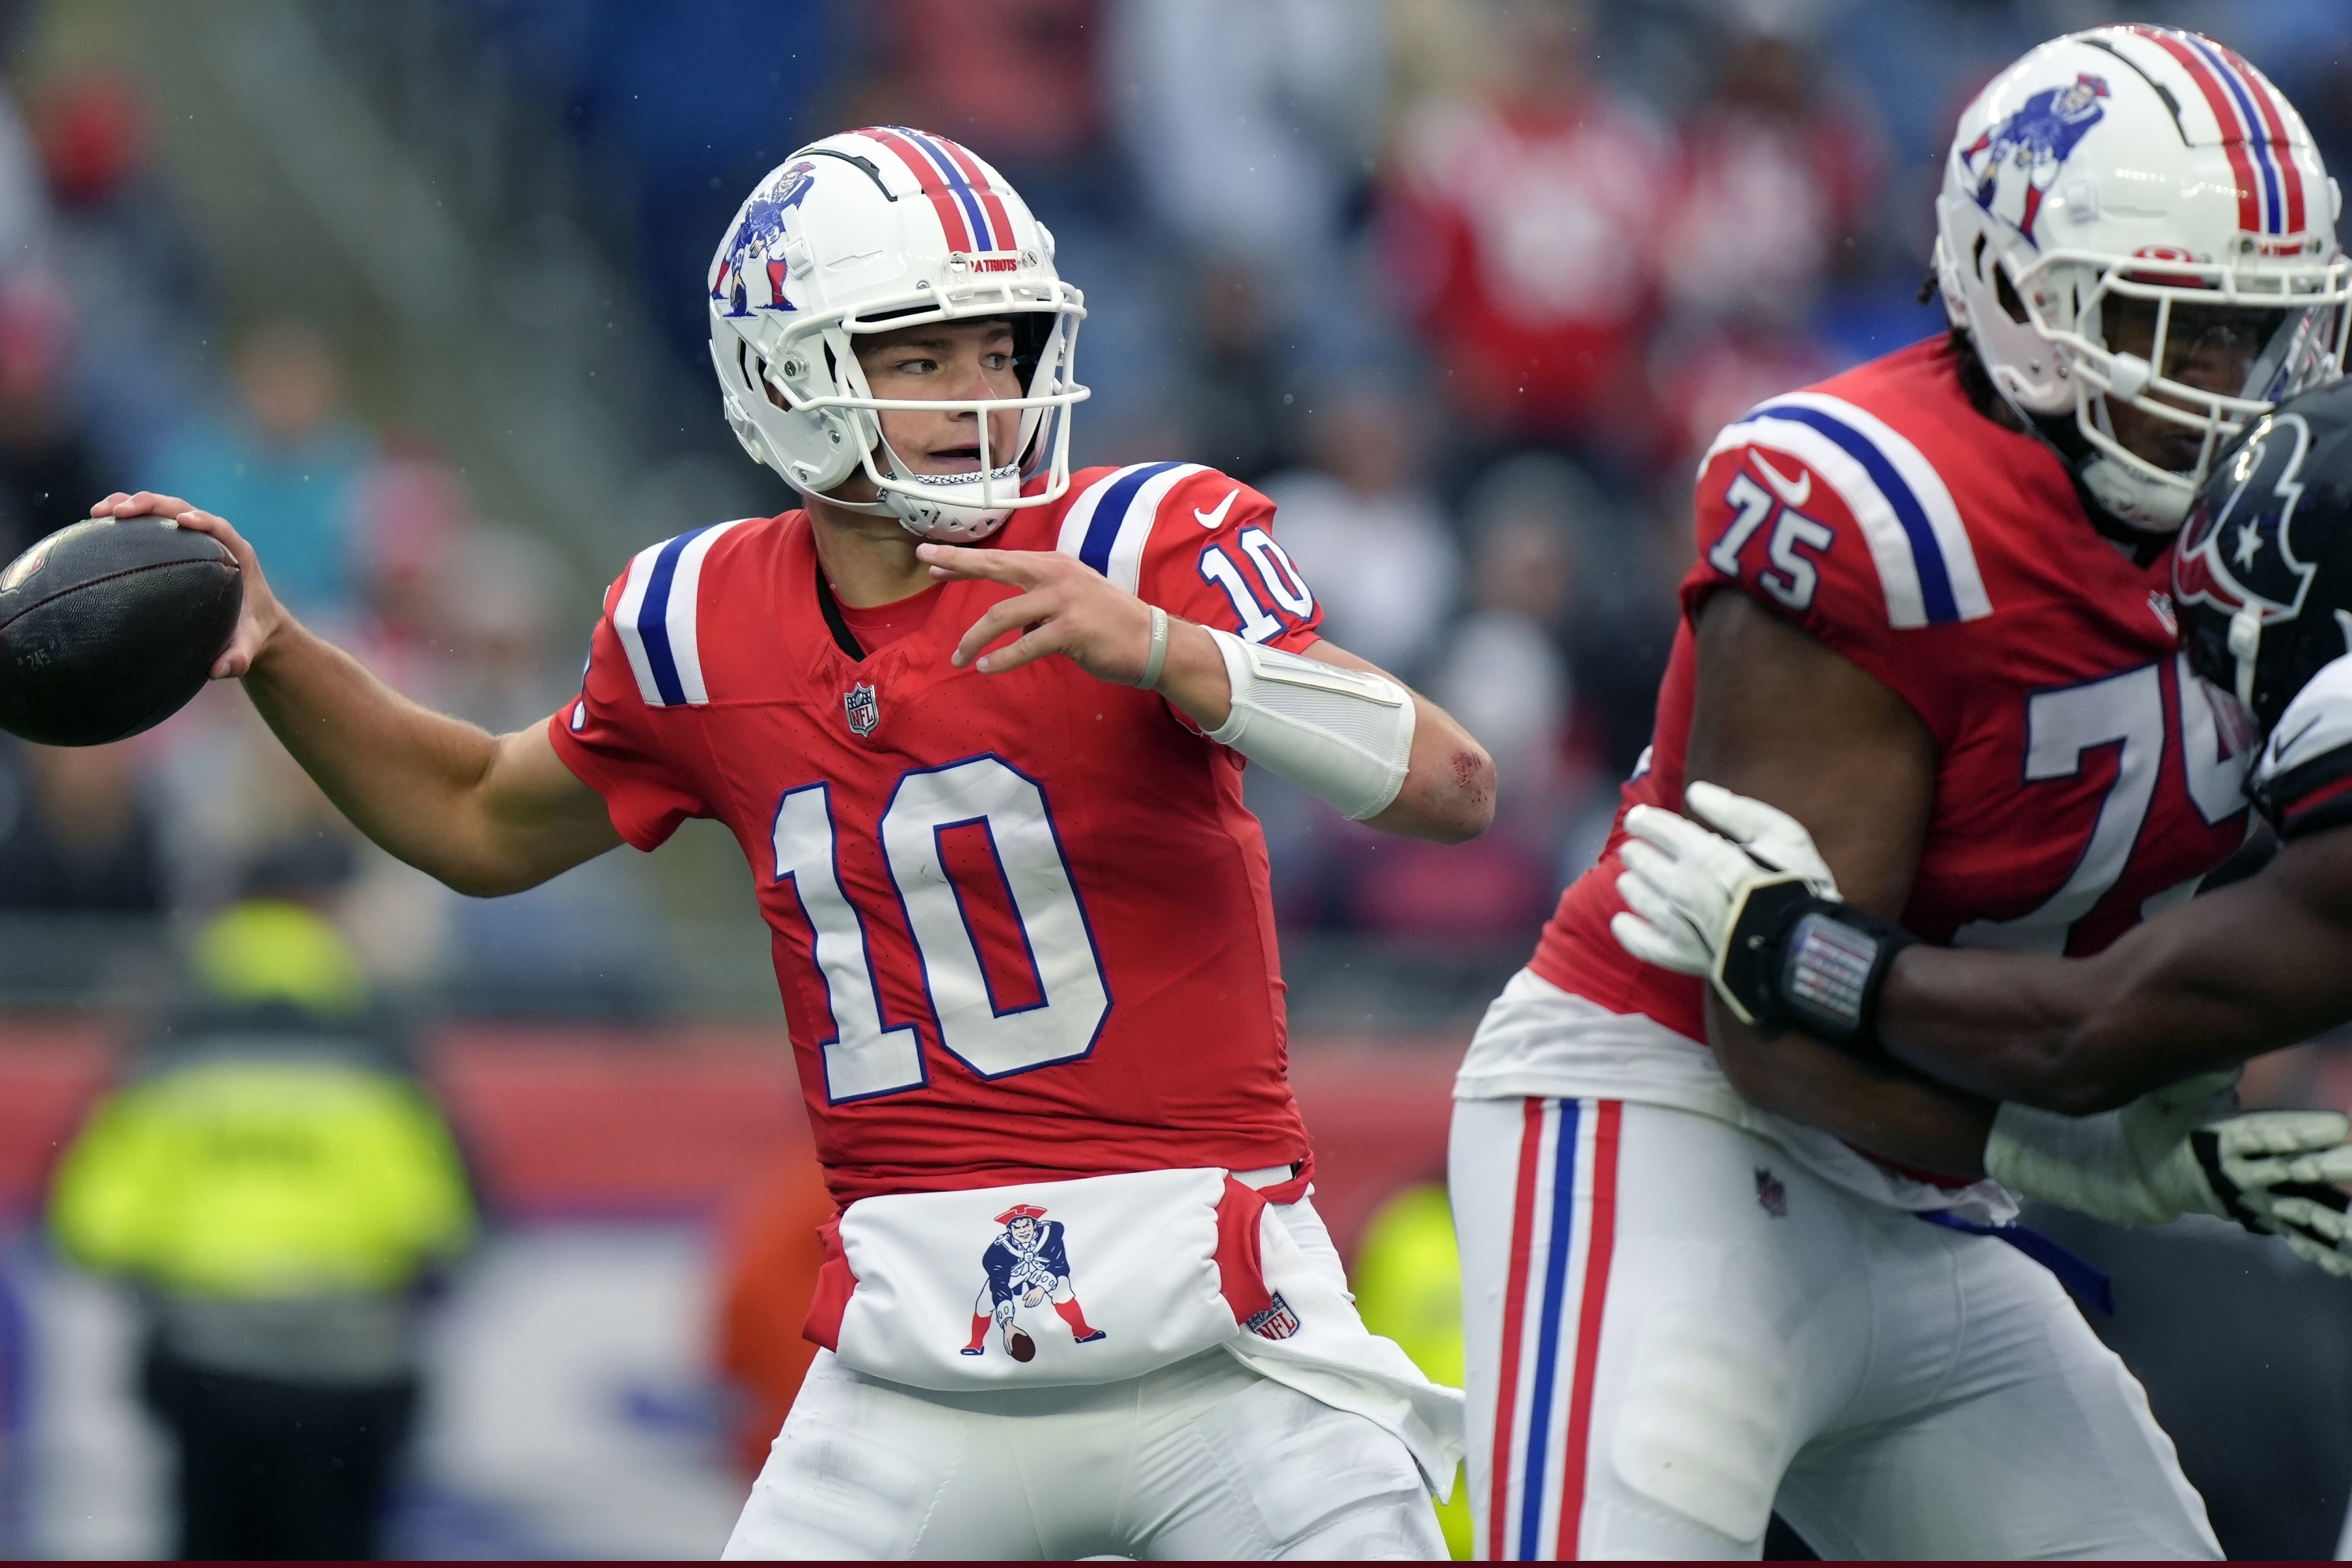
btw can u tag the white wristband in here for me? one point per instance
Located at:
(1342, 735)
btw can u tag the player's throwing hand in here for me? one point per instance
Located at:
(1067, 607)
(262, 614)
(1073, 610)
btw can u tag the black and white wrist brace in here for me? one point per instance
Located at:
(1797, 961)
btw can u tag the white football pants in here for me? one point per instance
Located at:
(1672, 1328)
(1203, 1459)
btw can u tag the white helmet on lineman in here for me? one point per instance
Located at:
(2135, 227)
(871, 231)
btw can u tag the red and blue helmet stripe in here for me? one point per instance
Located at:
(972, 214)
(2253, 133)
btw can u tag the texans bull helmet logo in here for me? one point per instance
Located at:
(2262, 572)
(2242, 552)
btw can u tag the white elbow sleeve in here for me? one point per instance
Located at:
(1342, 735)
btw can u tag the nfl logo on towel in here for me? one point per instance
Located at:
(864, 711)
(1277, 1321)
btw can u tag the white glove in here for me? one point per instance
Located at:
(2143, 1165)
(1682, 885)
(2293, 1194)
(2132, 1166)
(2316, 1231)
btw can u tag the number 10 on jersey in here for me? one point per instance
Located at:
(863, 1057)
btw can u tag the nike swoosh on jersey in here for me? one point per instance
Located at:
(1793, 492)
(1216, 518)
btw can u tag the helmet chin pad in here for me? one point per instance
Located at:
(2134, 496)
(958, 516)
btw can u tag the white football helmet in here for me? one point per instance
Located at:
(869, 232)
(2123, 206)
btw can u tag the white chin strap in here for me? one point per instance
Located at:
(2246, 646)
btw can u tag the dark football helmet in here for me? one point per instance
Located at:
(2262, 573)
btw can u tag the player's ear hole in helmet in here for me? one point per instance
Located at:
(869, 232)
(2262, 573)
(2137, 235)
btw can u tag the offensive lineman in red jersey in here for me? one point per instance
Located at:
(992, 800)
(2076, 1049)
(1929, 620)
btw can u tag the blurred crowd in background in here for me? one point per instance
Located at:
(1465, 285)
(414, 296)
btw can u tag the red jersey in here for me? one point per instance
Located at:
(2085, 778)
(1021, 921)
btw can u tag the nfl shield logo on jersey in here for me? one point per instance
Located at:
(858, 702)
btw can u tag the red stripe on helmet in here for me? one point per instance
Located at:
(997, 219)
(2266, 100)
(2225, 116)
(943, 202)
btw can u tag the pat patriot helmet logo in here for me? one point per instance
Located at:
(2035, 142)
(863, 708)
(2242, 552)
(759, 238)
(1027, 1266)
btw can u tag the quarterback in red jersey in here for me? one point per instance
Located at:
(1929, 620)
(992, 801)
(970, 875)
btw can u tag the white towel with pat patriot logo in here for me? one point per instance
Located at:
(1103, 1279)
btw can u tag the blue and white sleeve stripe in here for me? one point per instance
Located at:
(657, 618)
(1925, 564)
(1110, 523)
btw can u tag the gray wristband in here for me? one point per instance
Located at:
(1157, 659)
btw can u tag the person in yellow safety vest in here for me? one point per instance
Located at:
(1407, 1285)
(278, 1186)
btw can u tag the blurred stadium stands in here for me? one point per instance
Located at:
(490, 219)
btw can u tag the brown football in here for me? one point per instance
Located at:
(109, 627)
(1023, 1347)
